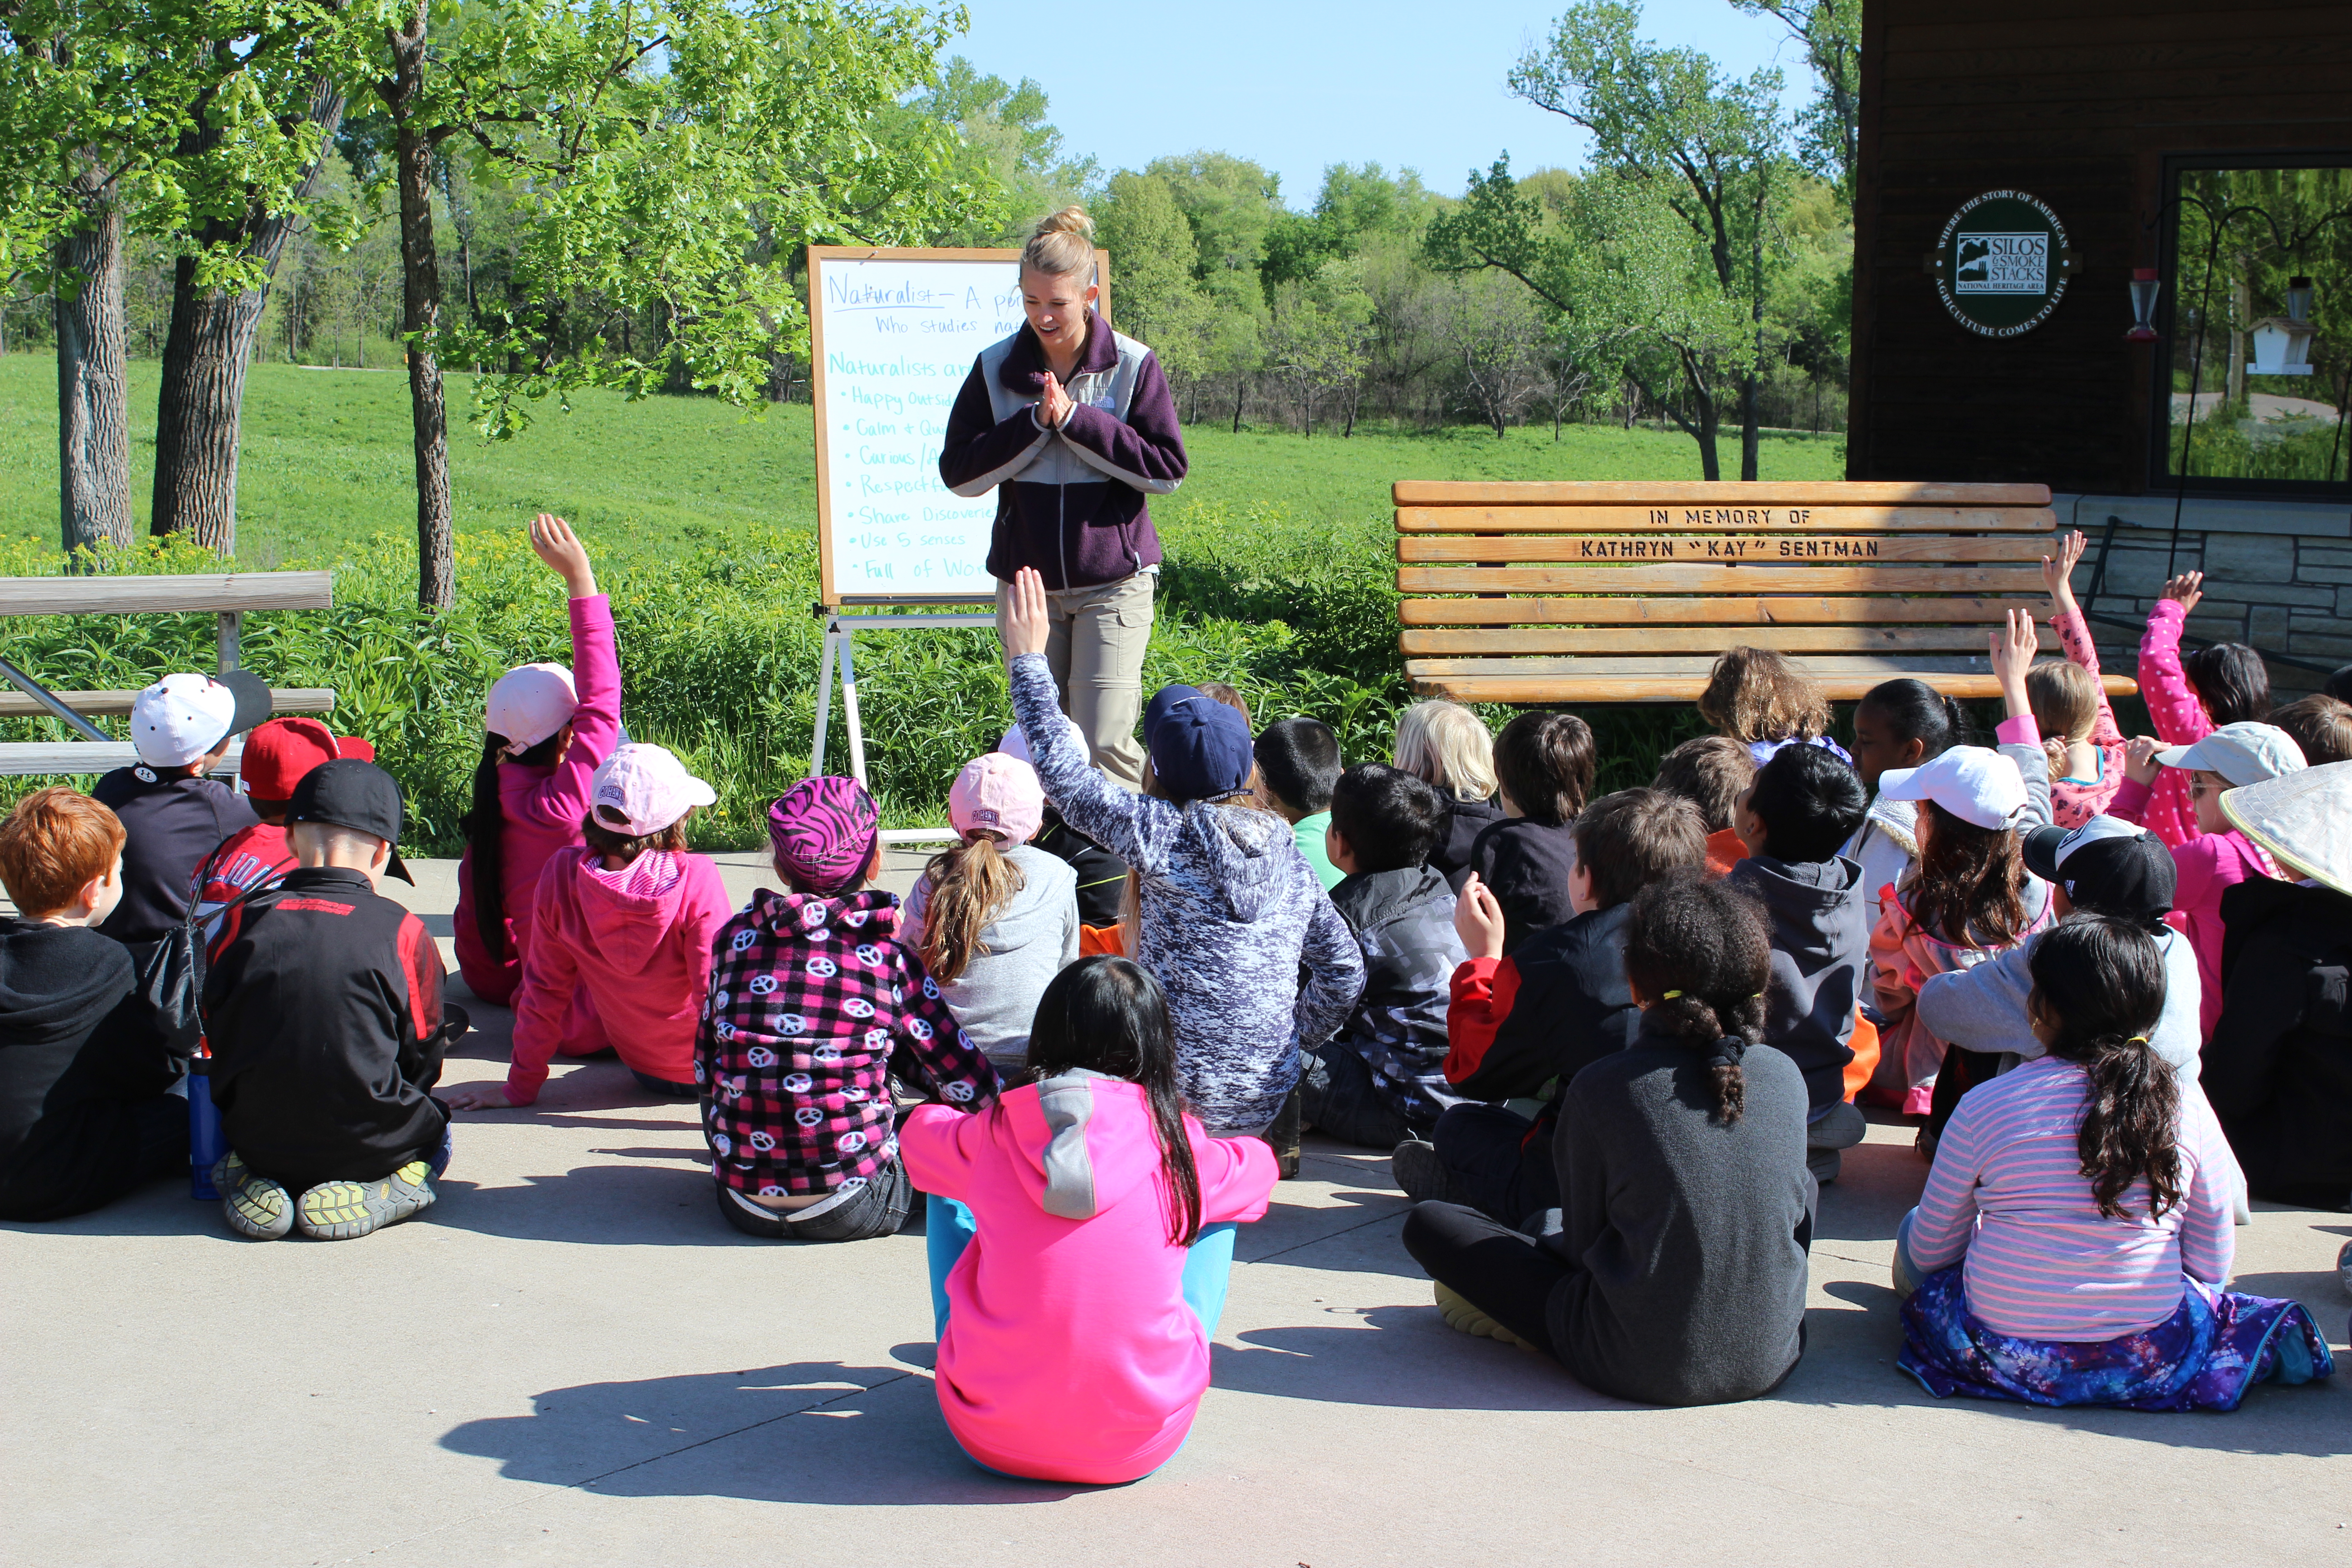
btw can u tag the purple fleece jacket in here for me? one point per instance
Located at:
(1069, 502)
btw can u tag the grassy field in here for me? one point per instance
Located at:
(326, 464)
(1280, 579)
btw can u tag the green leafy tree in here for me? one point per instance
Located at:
(1154, 296)
(1710, 147)
(1318, 329)
(1009, 144)
(1827, 128)
(667, 160)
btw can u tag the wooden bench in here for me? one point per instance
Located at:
(1627, 593)
(227, 596)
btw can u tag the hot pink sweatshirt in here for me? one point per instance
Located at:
(2180, 720)
(1069, 1353)
(638, 941)
(542, 806)
(2207, 865)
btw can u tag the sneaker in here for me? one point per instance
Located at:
(1419, 1174)
(253, 1204)
(339, 1211)
(1463, 1316)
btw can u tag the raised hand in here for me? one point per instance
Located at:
(2058, 576)
(552, 538)
(2140, 765)
(1025, 625)
(2188, 587)
(2013, 648)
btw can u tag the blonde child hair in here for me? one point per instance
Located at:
(1754, 694)
(2065, 697)
(1062, 245)
(1446, 746)
(969, 886)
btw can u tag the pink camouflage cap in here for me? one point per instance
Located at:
(823, 831)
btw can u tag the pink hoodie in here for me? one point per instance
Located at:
(2180, 720)
(1069, 1353)
(638, 941)
(543, 808)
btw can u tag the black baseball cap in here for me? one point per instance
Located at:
(253, 704)
(2108, 865)
(349, 792)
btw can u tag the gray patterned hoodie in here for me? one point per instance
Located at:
(1230, 912)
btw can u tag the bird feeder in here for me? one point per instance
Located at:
(2282, 343)
(2145, 287)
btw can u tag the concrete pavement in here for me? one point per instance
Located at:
(573, 1360)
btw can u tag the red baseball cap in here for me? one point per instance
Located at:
(278, 754)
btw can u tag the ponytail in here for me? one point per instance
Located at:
(1914, 711)
(485, 826)
(1701, 951)
(2103, 978)
(969, 884)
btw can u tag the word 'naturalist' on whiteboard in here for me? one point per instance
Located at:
(893, 335)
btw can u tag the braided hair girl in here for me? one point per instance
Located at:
(1699, 954)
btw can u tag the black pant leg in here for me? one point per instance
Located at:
(1484, 1147)
(1504, 1274)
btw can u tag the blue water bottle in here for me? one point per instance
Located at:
(205, 1144)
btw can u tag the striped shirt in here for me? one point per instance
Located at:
(2007, 1191)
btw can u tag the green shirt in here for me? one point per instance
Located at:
(1310, 831)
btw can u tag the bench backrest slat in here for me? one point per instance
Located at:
(104, 595)
(1627, 591)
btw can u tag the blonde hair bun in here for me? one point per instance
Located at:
(1062, 243)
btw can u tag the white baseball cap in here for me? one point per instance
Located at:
(530, 703)
(181, 716)
(2245, 753)
(1015, 743)
(1975, 784)
(649, 787)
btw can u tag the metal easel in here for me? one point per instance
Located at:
(840, 632)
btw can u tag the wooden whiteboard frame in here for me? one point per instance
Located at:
(818, 255)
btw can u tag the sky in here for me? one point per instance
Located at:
(1298, 85)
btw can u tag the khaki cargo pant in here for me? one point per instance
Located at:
(1094, 648)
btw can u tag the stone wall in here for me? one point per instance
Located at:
(2277, 576)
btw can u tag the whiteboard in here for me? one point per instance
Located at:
(892, 334)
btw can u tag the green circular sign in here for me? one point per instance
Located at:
(2001, 265)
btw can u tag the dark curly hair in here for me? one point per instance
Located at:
(1700, 952)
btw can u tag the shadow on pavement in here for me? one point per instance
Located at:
(812, 1432)
(1397, 1356)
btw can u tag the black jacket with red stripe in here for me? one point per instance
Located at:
(1559, 1002)
(324, 1017)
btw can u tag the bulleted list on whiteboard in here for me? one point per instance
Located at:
(899, 336)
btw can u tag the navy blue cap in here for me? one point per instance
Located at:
(1199, 746)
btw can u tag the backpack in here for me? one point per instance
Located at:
(168, 974)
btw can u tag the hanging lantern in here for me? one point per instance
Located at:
(2145, 287)
(2282, 343)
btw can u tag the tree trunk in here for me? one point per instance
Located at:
(420, 267)
(200, 404)
(93, 397)
(1241, 390)
(1749, 432)
(2242, 312)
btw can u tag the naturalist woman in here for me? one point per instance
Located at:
(1073, 425)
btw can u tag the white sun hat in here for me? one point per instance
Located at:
(2303, 818)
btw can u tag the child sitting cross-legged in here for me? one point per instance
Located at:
(994, 918)
(1711, 772)
(89, 1100)
(1074, 1318)
(1229, 919)
(1675, 1271)
(1545, 763)
(1382, 1077)
(2074, 1243)
(814, 1004)
(1522, 1026)
(324, 1015)
(628, 918)
(1803, 804)
(172, 814)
